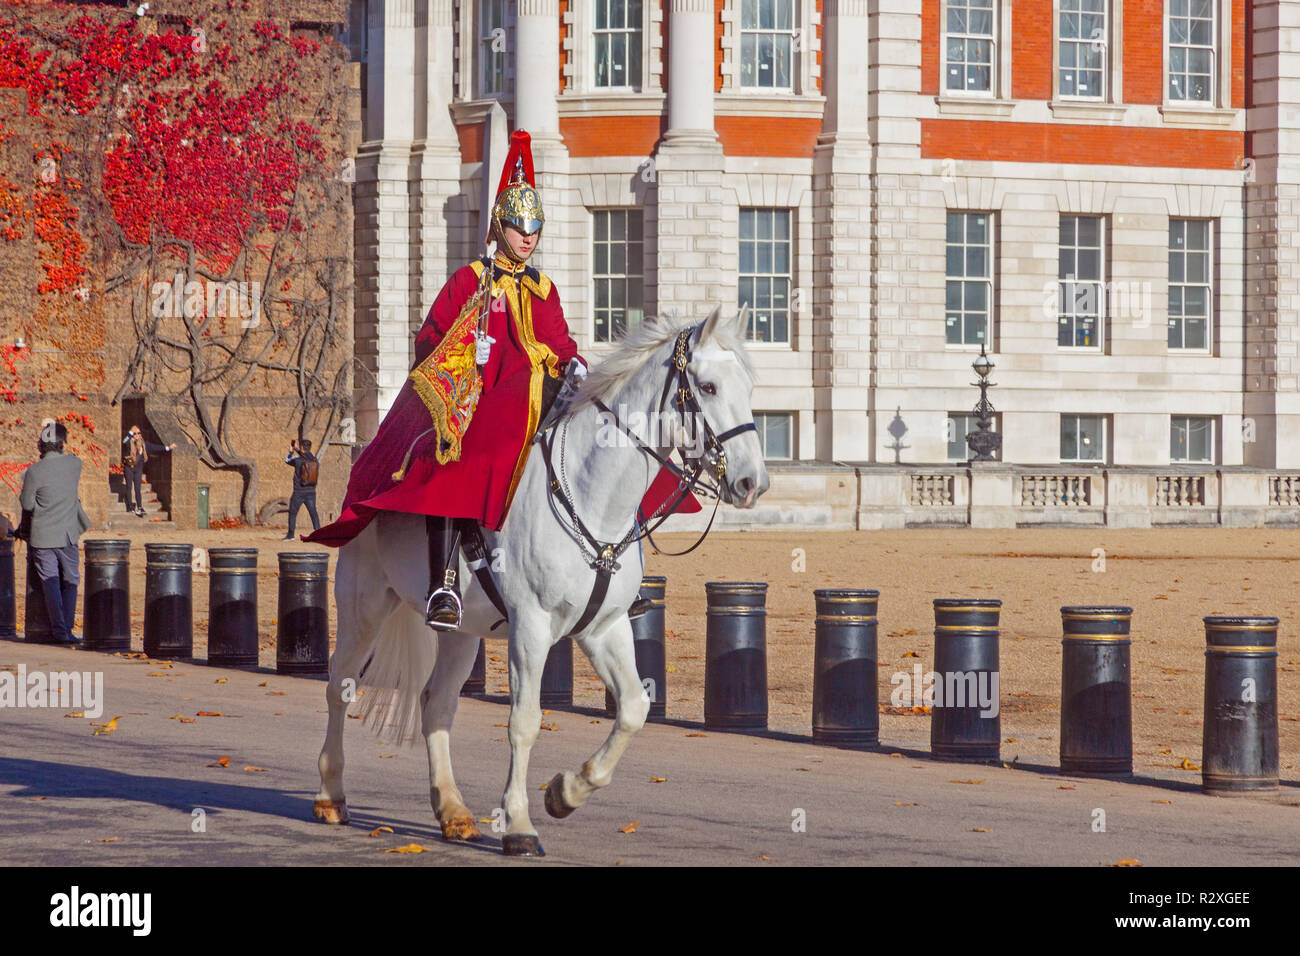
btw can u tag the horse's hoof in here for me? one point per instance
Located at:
(461, 830)
(555, 804)
(522, 844)
(331, 811)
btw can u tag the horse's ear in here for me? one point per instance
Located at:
(739, 325)
(710, 325)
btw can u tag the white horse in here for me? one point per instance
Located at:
(412, 673)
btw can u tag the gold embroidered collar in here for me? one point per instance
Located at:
(505, 264)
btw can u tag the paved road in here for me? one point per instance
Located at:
(71, 798)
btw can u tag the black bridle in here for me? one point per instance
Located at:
(712, 458)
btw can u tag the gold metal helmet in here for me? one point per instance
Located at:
(517, 202)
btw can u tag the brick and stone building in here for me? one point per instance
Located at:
(1104, 194)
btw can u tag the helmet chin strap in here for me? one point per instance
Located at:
(503, 244)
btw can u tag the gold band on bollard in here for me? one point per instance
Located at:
(846, 619)
(1240, 648)
(1097, 637)
(966, 627)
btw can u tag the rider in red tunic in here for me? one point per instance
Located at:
(526, 342)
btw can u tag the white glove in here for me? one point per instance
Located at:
(483, 347)
(577, 369)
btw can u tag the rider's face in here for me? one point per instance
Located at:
(522, 245)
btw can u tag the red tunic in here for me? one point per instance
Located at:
(532, 341)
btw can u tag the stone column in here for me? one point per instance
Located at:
(537, 84)
(1271, 405)
(443, 211)
(384, 300)
(695, 214)
(842, 240)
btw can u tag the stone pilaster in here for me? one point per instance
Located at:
(1271, 406)
(692, 220)
(842, 223)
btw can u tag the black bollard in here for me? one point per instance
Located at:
(651, 651)
(557, 675)
(476, 684)
(845, 698)
(168, 603)
(106, 613)
(36, 622)
(232, 607)
(966, 670)
(302, 636)
(735, 656)
(1239, 753)
(8, 595)
(1096, 691)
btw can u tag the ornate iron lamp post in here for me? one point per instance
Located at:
(983, 442)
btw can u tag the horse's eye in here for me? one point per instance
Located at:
(708, 388)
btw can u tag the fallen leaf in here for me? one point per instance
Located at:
(895, 755)
(220, 762)
(966, 781)
(671, 669)
(384, 756)
(899, 803)
(1164, 751)
(208, 713)
(1162, 801)
(76, 713)
(545, 713)
(187, 720)
(107, 728)
(175, 717)
(251, 769)
(911, 654)
(980, 830)
(695, 735)
(378, 830)
(546, 726)
(108, 839)
(36, 798)
(1129, 862)
(593, 721)
(263, 683)
(1063, 787)
(500, 725)
(658, 779)
(764, 857)
(409, 848)
(1011, 740)
(630, 828)
(155, 674)
(219, 680)
(275, 693)
(1188, 765)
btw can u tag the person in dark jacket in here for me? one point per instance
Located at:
(136, 453)
(306, 472)
(53, 521)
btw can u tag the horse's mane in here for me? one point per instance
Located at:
(637, 346)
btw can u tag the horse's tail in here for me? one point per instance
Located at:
(396, 673)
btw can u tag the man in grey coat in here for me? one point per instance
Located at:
(57, 521)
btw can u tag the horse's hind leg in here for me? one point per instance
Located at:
(358, 626)
(614, 660)
(456, 652)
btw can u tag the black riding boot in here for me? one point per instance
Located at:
(640, 606)
(443, 610)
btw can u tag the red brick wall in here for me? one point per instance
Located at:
(471, 142)
(1144, 37)
(1239, 28)
(1077, 143)
(717, 44)
(564, 32)
(609, 135)
(930, 40)
(767, 135)
(1032, 35)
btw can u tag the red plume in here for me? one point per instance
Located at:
(520, 145)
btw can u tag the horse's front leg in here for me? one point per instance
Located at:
(529, 645)
(612, 656)
(455, 660)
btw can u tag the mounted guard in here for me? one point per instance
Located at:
(494, 350)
